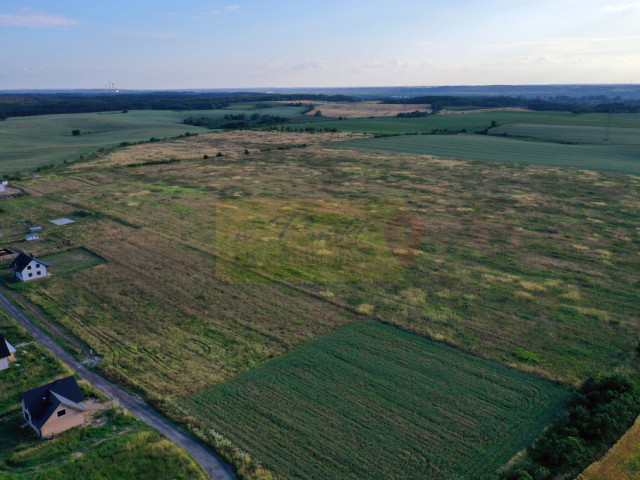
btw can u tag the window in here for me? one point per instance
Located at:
(28, 267)
(62, 412)
(30, 275)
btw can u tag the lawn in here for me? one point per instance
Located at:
(27, 143)
(371, 401)
(618, 158)
(72, 260)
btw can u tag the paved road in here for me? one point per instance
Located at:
(216, 469)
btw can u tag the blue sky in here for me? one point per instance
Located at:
(287, 43)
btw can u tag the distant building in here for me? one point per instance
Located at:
(7, 353)
(32, 236)
(54, 408)
(26, 267)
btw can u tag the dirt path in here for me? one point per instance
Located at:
(215, 468)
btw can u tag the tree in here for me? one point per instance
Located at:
(318, 113)
(75, 133)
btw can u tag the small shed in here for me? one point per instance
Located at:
(7, 353)
(54, 408)
(27, 267)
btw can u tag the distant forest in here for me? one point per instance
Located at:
(19, 105)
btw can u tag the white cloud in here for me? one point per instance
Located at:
(307, 64)
(622, 7)
(27, 17)
(231, 8)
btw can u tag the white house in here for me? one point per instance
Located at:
(26, 268)
(7, 353)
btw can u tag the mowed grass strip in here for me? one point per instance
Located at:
(372, 401)
(487, 148)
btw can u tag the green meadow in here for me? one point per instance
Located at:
(27, 143)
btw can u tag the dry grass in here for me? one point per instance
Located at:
(622, 461)
(367, 109)
(231, 144)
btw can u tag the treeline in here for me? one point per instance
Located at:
(596, 417)
(235, 122)
(18, 105)
(597, 104)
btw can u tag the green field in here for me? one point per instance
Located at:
(489, 148)
(30, 142)
(571, 134)
(471, 121)
(371, 401)
(72, 260)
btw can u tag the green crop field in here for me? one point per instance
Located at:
(371, 401)
(488, 148)
(571, 133)
(471, 121)
(30, 142)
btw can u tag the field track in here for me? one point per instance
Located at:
(214, 467)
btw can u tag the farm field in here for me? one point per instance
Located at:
(110, 447)
(527, 266)
(571, 134)
(617, 158)
(371, 401)
(30, 142)
(365, 109)
(470, 122)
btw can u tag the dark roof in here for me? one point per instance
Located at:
(43, 401)
(23, 260)
(4, 349)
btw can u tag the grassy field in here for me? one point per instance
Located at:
(30, 142)
(553, 251)
(72, 260)
(618, 158)
(110, 447)
(371, 401)
(471, 121)
(529, 266)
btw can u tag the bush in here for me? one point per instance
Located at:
(597, 416)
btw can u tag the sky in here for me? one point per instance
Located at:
(160, 44)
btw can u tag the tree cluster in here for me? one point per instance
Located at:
(596, 417)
